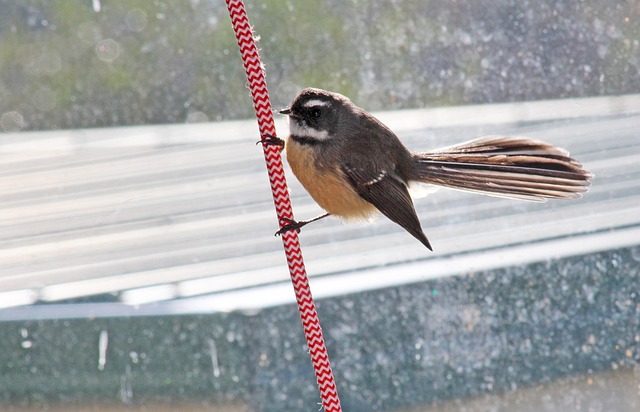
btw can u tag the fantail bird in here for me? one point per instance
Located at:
(354, 166)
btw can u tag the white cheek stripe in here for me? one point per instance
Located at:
(304, 131)
(315, 103)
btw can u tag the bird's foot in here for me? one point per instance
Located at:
(290, 224)
(269, 140)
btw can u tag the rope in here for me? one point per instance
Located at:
(264, 113)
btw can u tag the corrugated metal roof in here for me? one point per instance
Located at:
(164, 212)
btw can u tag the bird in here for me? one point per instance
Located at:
(355, 167)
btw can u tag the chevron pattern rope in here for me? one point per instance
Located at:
(264, 113)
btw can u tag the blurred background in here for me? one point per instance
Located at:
(71, 64)
(138, 266)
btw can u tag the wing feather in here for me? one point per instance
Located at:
(390, 195)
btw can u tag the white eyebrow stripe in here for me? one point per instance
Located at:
(315, 103)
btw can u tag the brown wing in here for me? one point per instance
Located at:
(389, 194)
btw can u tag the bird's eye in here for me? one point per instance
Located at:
(315, 113)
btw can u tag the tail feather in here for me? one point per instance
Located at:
(511, 167)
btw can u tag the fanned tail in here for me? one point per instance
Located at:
(511, 167)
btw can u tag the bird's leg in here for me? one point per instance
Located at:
(269, 140)
(296, 225)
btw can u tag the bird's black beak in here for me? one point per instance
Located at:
(286, 111)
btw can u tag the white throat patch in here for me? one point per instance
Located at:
(296, 129)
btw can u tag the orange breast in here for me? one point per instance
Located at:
(327, 187)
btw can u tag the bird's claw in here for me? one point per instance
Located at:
(290, 224)
(268, 140)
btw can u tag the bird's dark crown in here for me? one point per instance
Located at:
(310, 100)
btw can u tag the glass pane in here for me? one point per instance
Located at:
(138, 266)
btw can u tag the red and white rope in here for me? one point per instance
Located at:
(264, 113)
